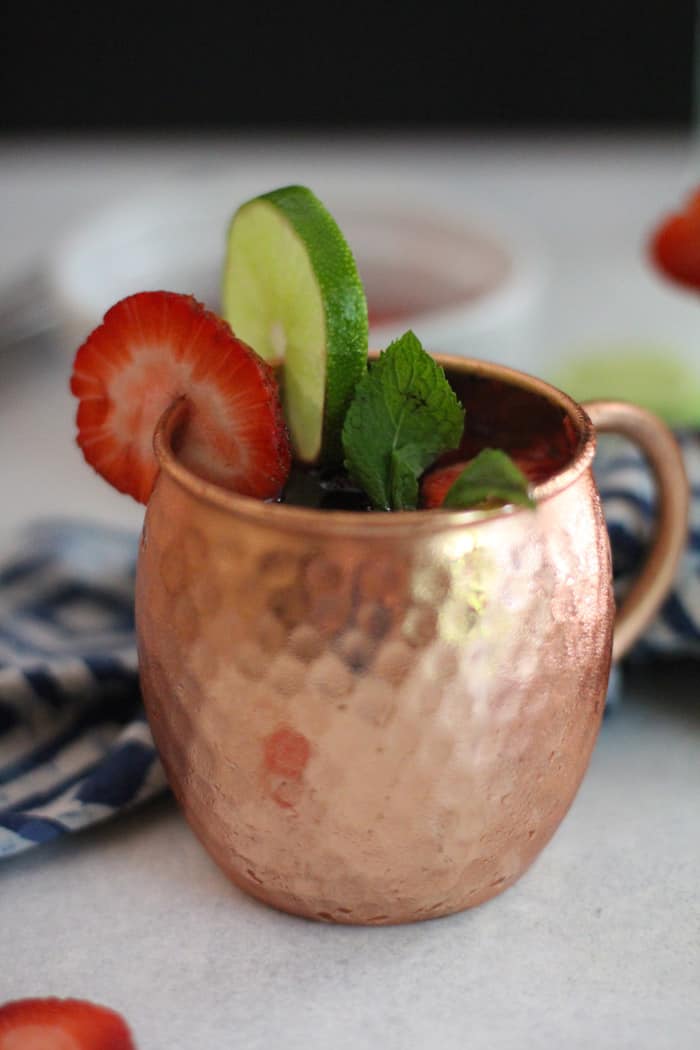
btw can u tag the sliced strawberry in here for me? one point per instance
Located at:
(545, 456)
(61, 1024)
(435, 486)
(675, 245)
(153, 348)
(537, 463)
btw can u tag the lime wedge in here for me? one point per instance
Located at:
(292, 291)
(654, 377)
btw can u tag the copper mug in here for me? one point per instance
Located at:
(377, 718)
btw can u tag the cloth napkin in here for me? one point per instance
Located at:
(627, 491)
(75, 747)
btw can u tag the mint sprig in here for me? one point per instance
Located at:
(403, 416)
(491, 477)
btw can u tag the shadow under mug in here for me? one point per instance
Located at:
(378, 718)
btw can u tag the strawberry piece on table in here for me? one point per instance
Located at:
(675, 245)
(61, 1024)
(153, 348)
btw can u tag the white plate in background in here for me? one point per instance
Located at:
(466, 283)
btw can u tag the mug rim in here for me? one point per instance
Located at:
(290, 516)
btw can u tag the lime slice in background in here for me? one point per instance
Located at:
(651, 376)
(291, 290)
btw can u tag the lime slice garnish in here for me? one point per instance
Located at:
(292, 291)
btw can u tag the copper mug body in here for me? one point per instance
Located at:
(377, 718)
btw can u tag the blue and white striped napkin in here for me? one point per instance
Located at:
(75, 748)
(627, 492)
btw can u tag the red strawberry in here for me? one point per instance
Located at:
(152, 348)
(434, 487)
(545, 456)
(537, 462)
(61, 1024)
(675, 245)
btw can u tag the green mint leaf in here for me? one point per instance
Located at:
(492, 476)
(403, 416)
(405, 469)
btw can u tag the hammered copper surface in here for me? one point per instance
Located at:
(374, 718)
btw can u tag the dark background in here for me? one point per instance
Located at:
(504, 66)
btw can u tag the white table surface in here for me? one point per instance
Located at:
(599, 944)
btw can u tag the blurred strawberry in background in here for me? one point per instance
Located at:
(675, 244)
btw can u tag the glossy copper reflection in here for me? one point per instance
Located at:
(375, 718)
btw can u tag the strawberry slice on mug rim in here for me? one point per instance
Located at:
(63, 1024)
(154, 348)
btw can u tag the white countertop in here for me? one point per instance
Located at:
(599, 944)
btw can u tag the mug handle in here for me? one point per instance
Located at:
(663, 455)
